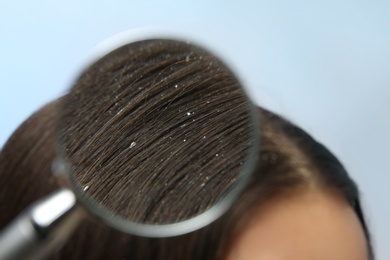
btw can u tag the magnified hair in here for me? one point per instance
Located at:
(157, 131)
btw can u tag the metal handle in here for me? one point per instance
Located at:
(42, 228)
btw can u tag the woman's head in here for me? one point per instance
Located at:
(297, 188)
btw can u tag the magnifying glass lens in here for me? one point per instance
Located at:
(155, 133)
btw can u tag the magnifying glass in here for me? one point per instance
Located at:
(156, 138)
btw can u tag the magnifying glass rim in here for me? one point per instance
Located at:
(185, 226)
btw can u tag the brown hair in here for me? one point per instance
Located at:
(156, 112)
(289, 159)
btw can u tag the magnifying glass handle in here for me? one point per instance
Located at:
(42, 228)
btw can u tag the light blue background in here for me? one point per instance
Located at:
(323, 64)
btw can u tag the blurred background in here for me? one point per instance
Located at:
(322, 64)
